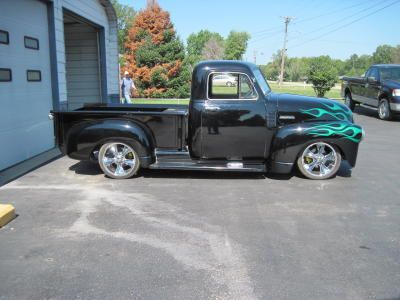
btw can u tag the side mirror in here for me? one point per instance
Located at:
(372, 80)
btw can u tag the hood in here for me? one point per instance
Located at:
(296, 108)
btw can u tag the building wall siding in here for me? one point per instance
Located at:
(97, 12)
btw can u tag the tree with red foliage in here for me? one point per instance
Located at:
(155, 55)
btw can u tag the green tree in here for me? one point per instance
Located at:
(155, 56)
(213, 49)
(383, 54)
(396, 55)
(322, 74)
(126, 15)
(271, 70)
(236, 45)
(296, 69)
(196, 43)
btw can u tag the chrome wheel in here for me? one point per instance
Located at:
(319, 161)
(384, 110)
(118, 160)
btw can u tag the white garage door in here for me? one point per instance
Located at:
(25, 101)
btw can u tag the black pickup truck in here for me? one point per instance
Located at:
(379, 89)
(227, 127)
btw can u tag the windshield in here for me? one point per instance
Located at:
(261, 81)
(391, 73)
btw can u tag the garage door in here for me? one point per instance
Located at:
(25, 96)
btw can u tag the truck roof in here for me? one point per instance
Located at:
(386, 65)
(228, 64)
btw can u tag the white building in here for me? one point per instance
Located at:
(54, 54)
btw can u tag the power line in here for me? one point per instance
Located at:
(267, 36)
(267, 30)
(329, 13)
(347, 24)
(342, 19)
(272, 31)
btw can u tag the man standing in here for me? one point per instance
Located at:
(127, 87)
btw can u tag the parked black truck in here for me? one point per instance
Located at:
(227, 127)
(378, 89)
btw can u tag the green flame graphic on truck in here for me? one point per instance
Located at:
(334, 110)
(349, 131)
(341, 127)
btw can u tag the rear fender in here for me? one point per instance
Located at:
(86, 137)
(290, 140)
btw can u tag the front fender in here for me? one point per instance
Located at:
(85, 137)
(290, 140)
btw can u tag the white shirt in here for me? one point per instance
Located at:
(129, 84)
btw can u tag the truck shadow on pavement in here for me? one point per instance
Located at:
(92, 169)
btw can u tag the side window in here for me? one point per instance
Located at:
(373, 72)
(246, 88)
(232, 86)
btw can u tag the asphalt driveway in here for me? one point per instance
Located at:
(186, 235)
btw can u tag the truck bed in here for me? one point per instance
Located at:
(167, 123)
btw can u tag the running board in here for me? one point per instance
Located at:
(180, 160)
(368, 106)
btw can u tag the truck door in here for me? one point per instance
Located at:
(233, 119)
(372, 86)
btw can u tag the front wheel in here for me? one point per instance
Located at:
(384, 111)
(319, 161)
(118, 160)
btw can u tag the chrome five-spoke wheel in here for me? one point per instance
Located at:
(118, 160)
(319, 161)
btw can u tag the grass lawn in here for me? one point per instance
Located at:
(300, 90)
(286, 88)
(160, 101)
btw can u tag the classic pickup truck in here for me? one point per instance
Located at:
(234, 127)
(378, 89)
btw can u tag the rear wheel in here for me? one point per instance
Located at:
(229, 84)
(118, 160)
(319, 161)
(384, 111)
(349, 102)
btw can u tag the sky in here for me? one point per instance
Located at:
(319, 27)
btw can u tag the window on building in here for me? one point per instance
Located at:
(231, 86)
(4, 37)
(31, 43)
(33, 75)
(5, 75)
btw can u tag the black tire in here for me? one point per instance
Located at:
(229, 84)
(318, 161)
(384, 111)
(119, 160)
(348, 100)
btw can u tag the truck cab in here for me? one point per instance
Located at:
(234, 122)
(228, 122)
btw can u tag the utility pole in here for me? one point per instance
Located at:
(255, 56)
(283, 52)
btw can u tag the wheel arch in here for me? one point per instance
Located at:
(85, 138)
(291, 140)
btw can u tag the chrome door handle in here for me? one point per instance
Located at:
(212, 108)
